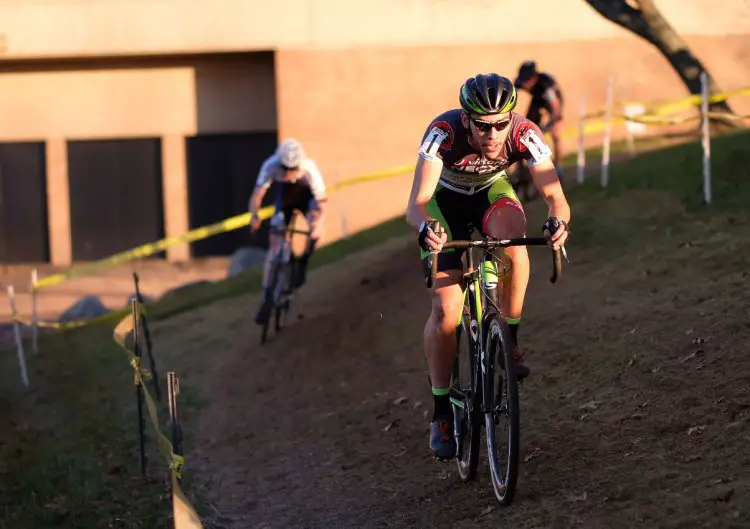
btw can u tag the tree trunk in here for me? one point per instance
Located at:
(647, 22)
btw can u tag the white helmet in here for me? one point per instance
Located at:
(290, 153)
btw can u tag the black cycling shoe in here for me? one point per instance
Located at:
(300, 274)
(442, 442)
(522, 368)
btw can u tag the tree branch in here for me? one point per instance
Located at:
(643, 18)
(623, 15)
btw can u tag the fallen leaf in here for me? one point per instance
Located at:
(723, 495)
(533, 455)
(400, 401)
(584, 495)
(389, 426)
(696, 430)
(486, 511)
(590, 405)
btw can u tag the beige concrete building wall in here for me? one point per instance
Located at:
(63, 28)
(362, 110)
(170, 98)
(143, 97)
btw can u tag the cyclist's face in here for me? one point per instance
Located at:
(489, 132)
(290, 173)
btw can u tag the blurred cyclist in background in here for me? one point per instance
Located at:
(546, 102)
(300, 187)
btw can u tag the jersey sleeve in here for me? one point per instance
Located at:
(437, 140)
(315, 180)
(264, 175)
(529, 143)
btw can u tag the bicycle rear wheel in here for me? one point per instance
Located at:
(501, 407)
(465, 400)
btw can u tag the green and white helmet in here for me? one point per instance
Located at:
(488, 94)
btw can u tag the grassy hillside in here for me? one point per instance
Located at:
(68, 447)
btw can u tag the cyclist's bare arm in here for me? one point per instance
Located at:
(426, 178)
(256, 199)
(547, 182)
(556, 114)
(553, 126)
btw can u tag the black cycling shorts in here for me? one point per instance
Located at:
(459, 213)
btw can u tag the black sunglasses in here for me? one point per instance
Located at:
(485, 126)
(287, 169)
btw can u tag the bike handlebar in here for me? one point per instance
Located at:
(490, 243)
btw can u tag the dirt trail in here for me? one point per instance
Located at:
(625, 421)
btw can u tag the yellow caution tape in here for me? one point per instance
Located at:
(691, 101)
(69, 324)
(146, 250)
(197, 234)
(185, 515)
(395, 171)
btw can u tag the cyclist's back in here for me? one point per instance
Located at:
(544, 91)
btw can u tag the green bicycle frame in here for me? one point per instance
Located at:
(477, 279)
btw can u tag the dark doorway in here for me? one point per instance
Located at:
(24, 233)
(116, 199)
(222, 169)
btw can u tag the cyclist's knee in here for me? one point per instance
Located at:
(447, 305)
(505, 219)
(274, 243)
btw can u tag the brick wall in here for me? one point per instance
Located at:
(365, 109)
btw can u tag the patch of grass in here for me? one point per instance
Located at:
(679, 170)
(661, 194)
(69, 448)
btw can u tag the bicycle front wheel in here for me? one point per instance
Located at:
(274, 286)
(501, 407)
(465, 399)
(284, 295)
